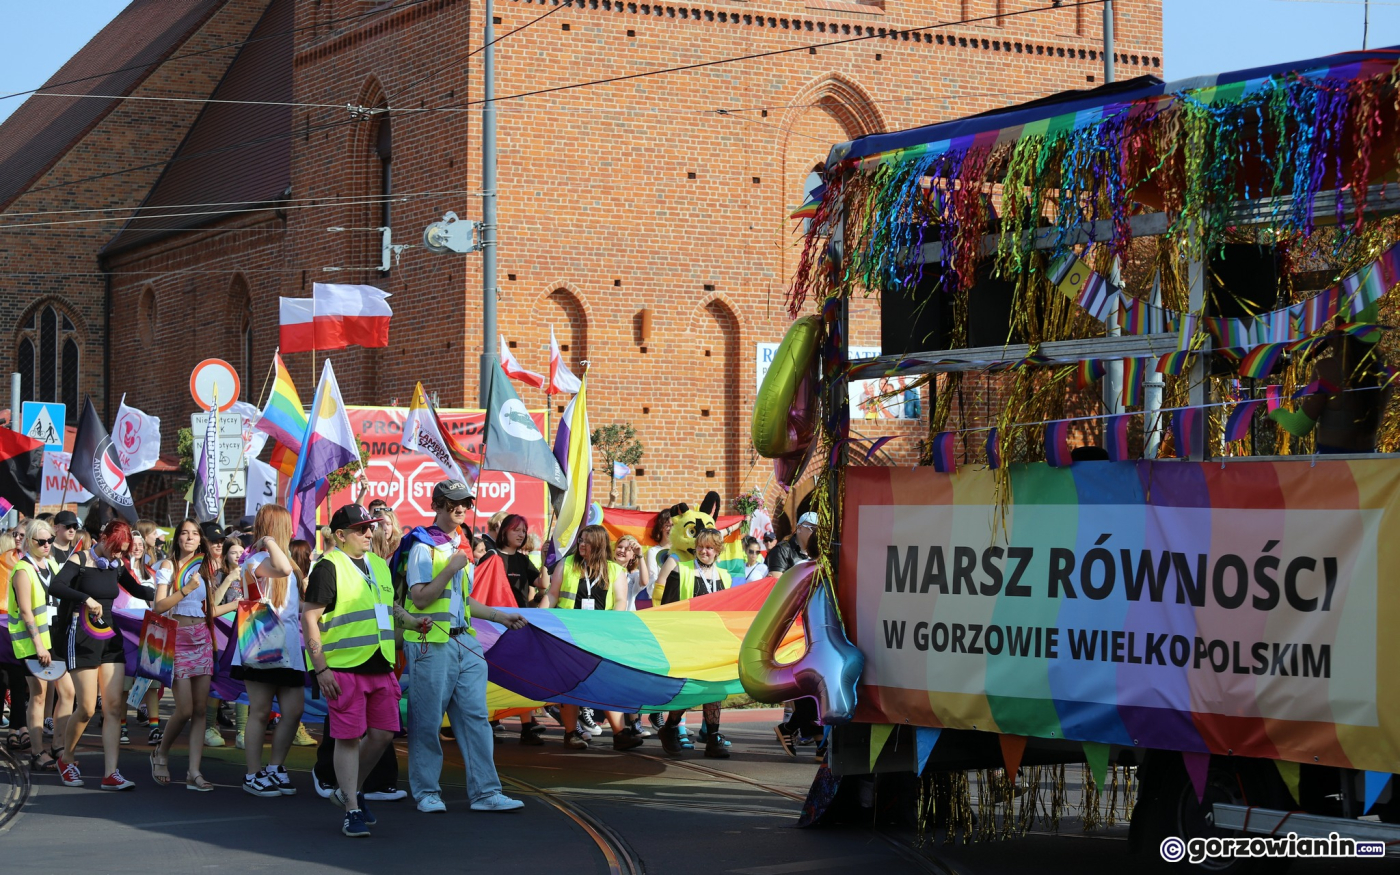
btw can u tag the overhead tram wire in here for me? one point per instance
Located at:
(271, 203)
(467, 105)
(366, 14)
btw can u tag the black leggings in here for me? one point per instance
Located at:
(384, 775)
(13, 677)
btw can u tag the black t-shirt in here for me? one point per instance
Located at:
(321, 590)
(521, 573)
(672, 591)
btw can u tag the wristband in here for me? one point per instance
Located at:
(322, 671)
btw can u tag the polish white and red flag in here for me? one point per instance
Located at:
(515, 371)
(561, 379)
(334, 317)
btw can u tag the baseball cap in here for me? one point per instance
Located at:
(452, 490)
(350, 516)
(65, 518)
(212, 533)
(808, 519)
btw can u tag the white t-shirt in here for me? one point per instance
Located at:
(756, 571)
(289, 613)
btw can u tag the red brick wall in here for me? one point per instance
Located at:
(112, 168)
(597, 197)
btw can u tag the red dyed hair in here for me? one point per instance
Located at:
(116, 537)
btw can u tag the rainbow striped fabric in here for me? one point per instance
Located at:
(1237, 426)
(944, 452)
(1115, 437)
(637, 523)
(283, 418)
(1183, 427)
(994, 448)
(1132, 393)
(1057, 444)
(1160, 658)
(1088, 372)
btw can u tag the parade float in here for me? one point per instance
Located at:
(1197, 603)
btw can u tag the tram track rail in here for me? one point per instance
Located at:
(618, 855)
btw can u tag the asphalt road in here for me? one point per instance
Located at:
(598, 812)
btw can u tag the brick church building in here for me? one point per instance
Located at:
(182, 170)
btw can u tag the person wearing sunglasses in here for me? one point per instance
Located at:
(30, 618)
(754, 566)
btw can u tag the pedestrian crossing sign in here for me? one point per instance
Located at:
(44, 421)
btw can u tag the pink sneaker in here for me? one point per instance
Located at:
(115, 781)
(69, 774)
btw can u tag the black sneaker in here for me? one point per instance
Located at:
(671, 740)
(785, 740)
(534, 727)
(577, 740)
(142, 715)
(531, 739)
(820, 757)
(715, 748)
(260, 785)
(587, 724)
(626, 739)
(354, 825)
(324, 790)
(125, 739)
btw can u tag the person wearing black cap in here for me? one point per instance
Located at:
(446, 664)
(65, 533)
(347, 620)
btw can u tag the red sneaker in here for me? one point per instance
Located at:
(69, 774)
(115, 781)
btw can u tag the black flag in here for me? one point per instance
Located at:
(21, 470)
(95, 464)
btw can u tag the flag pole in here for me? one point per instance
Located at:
(548, 403)
(271, 369)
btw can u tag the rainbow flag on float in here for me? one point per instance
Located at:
(327, 445)
(282, 418)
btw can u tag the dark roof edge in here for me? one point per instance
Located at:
(205, 221)
(140, 80)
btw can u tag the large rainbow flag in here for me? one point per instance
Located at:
(1243, 608)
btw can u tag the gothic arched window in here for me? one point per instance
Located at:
(47, 358)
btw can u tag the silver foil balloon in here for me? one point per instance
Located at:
(829, 669)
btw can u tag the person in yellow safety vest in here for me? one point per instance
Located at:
(681, 581)
(347, 619)
(590, 581)
(29, 617)
(446, 664)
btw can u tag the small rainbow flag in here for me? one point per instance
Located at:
(1132, 382)
(1317, 387)
(1273, 394)
(1173, 363)
(806, 211)
(1183, 424)
(1057, 444)
(5, 506)
(283, 418)
(1115, 437)
(994, 448)
(944, 457)
(1089, 372)
(1237, 426)
(1261, 361)
(1366, 332)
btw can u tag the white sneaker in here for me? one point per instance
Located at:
(392, 794)
(494, 802)
(212, 738)
(432, 803)
(324, 790)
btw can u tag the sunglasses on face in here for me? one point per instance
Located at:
(753, 552)
(41, 542)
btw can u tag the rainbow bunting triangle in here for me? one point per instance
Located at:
(944, 456)
(1057, 444)
(1237, 425)
(1115, 437)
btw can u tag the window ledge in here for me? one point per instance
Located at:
(845, 6)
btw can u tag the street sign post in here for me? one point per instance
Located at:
(45, 421)
(233, 466)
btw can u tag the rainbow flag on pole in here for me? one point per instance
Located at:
(283, 418)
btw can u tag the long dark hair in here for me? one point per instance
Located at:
(659, 525)
(510, 522)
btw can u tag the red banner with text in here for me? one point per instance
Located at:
(405, 479)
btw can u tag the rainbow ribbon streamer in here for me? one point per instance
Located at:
(1173, 364)
(1132, 393)
(994, 448)
(1057, 444)
(1183, 424)
(1237, 426)
(1115, 437)
(944, 459)
(1089, 372)
(1261, 361)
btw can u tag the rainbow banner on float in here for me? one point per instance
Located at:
(1170, 605)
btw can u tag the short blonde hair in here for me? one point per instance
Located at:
(709, 538)
(34, 529)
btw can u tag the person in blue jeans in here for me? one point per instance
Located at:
(446, 665)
